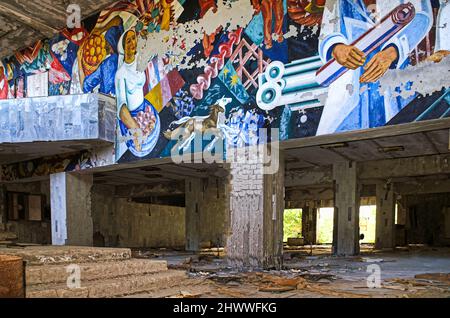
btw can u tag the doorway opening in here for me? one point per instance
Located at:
(292, 227)
(367, 219)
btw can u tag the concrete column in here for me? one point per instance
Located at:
(346, 212)
(3, 208)
(309, 224)
(385, 221)
(70, 196)
(194, 197)
(206, 212)
(256, 215)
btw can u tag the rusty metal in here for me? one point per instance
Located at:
(11, 277)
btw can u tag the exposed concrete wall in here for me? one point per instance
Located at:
(71, 209)
(146, 225)
(104, 216)
(385, 218)
(31, 232)
(119, 223)
(206, 212)
(346, 215)
(214, 211)
(428, 219)
(35, 232)
(79, 218)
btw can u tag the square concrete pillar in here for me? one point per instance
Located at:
(385, 219)
(346, 211)
(70, 199)
(194, 197)
(309, 225)
(256, 215)
(3, 208)
(206, 212)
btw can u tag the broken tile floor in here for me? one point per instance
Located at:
(319, 274)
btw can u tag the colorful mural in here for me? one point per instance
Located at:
(45, 166)
(307, 67)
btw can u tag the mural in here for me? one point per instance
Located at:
(45, 166)
(307, 67)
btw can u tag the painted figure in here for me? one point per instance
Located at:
(304, 12)
(188, 127)
(273, 16)
(4, 87)
(354, 100)
(103, 76)
(138, 119)
(442, 47)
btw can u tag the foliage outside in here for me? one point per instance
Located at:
(292, 224)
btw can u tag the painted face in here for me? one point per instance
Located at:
(130, 44)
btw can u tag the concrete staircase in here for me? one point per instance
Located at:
(104, 272)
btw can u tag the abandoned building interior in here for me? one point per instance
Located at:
(339, 206)
(191, 215)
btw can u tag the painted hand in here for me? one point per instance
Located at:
(378, 65)
(137, 138)
(256, 6)
(349, 56)
(438, 56)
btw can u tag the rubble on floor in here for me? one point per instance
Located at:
(317, 275)
(413, 272)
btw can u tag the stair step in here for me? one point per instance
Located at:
(51, 255)
(54, 274)
(123, 286)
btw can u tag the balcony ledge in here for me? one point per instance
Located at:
(41, 126)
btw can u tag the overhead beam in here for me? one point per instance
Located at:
(309, 194)
(366, 134)
(405, 167)
(422, 187)
(176, 188)
(308, 176)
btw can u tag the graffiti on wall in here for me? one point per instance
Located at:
(307, 67)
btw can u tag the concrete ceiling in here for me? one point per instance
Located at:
(18, 152)
(400, 141)
(388, 142)
(24, 22)
(158, 174)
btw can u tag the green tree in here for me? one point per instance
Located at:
(292, 223)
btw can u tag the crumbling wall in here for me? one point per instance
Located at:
(121, 223)
(103, 215)
(35, 232)
(213, 209)
(426, 218)
(148, 225)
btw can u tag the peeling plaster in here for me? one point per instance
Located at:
(426, 78)
(235, 15)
